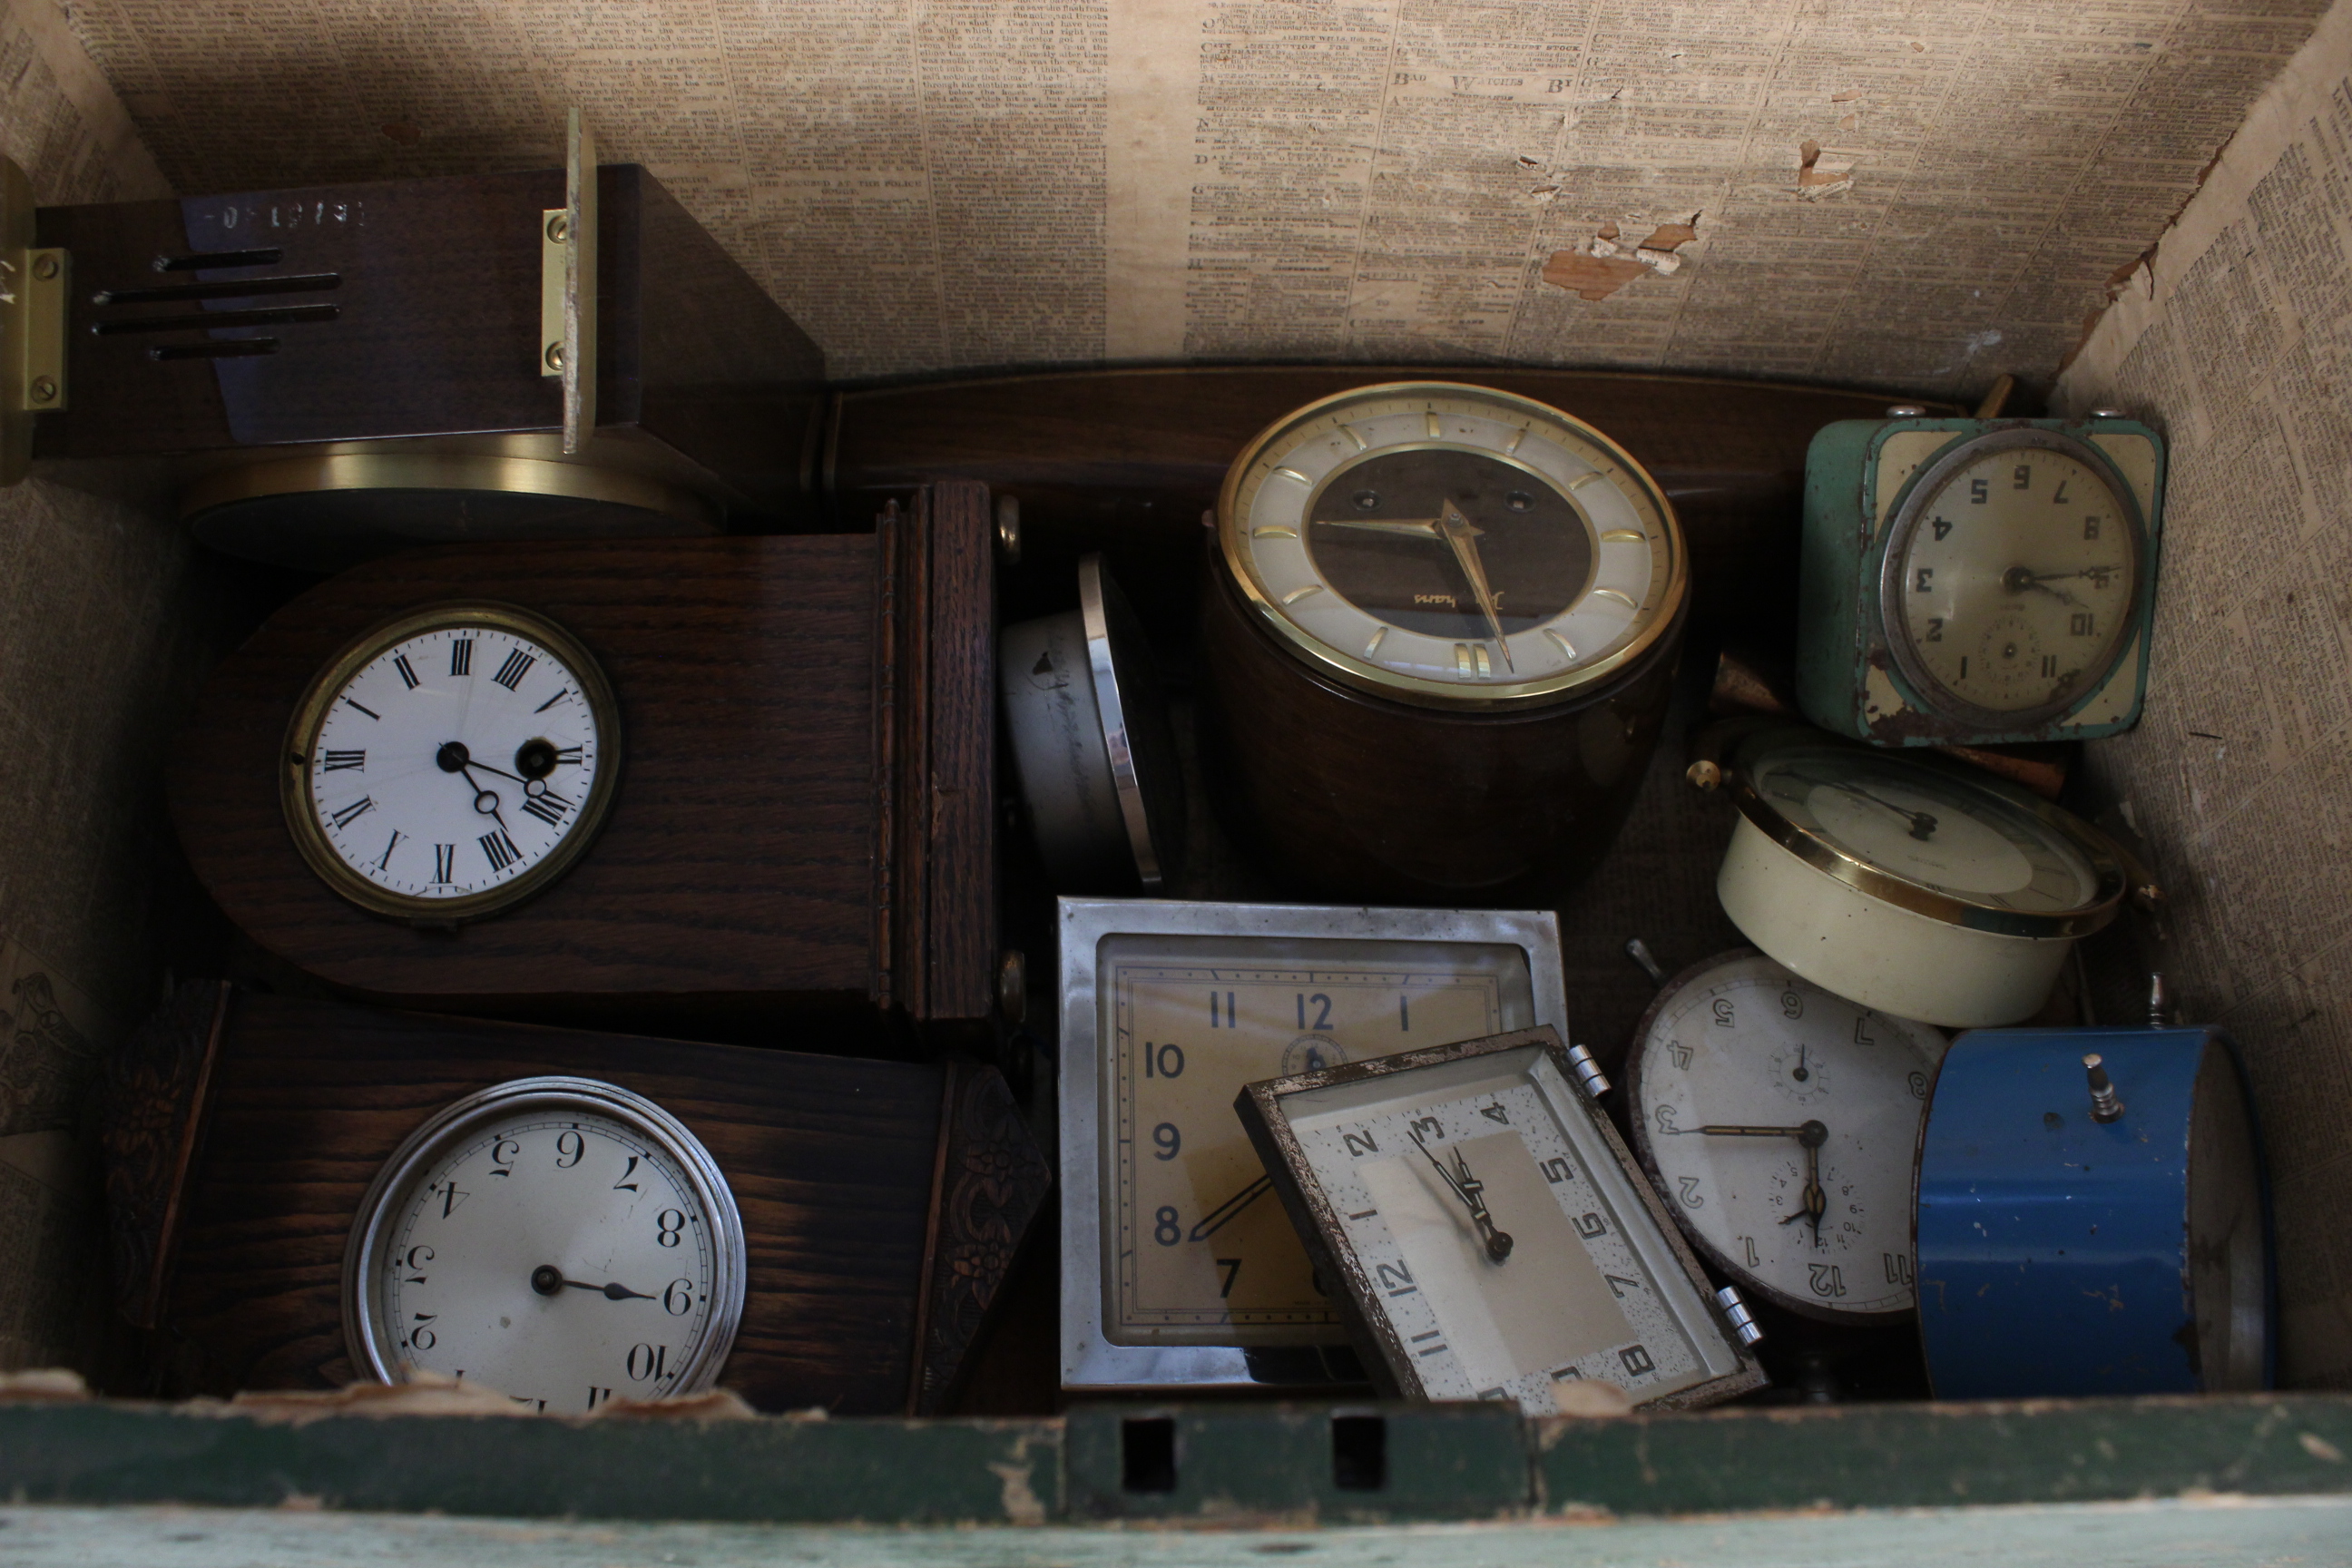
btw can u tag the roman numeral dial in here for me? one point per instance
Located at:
(450, 763)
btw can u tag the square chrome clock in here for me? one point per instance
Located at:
(1179, 1268)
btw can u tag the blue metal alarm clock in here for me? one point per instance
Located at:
(1968, 582)
(2092, 1217)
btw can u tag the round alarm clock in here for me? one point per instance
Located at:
(449, 764)
(1440, 641)
(562, 1240)
(1977, 581)
(1915, 885)
(2092, 1217)
(1779, 1122)
(1088, 723)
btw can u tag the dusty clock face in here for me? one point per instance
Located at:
(452, 762)
(1452, 545)
(2012, 585)
(561, 1241)
(1196, 1248)
(1781, 1122)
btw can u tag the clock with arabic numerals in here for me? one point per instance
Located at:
(1972, 582)
(452, 762)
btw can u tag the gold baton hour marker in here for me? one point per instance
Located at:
(1512, 445)
(1297, 594)
(1624, 599)
(1360, 443)
(1435, 429)
(1560, 642)
(1294, 474)
(1587, 476)
(1624, 536)
(1373, 647)
(1293, 533)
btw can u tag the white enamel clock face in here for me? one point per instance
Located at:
(563, 1242)
(1452, 545)
(2012, 578)
(452, 762)
(1781, 1122)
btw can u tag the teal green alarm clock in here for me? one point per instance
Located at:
(1969, 581)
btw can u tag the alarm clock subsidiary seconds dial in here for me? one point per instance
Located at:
(1450, 545)
(451, 762)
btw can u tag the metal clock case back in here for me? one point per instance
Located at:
(450, 762)
(559, 1239)
(1088, 724)
(1491, 1236)
(1780, 1123)
(2093, 1217)
(1177, 1267)
(1470, 604)
(1918, 886)
(1978, 582)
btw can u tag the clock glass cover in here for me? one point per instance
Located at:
(1495, 1235)
(2012, 578)
(561, 1240)
(1779, 1122)
(1452, 545)
(451, 762)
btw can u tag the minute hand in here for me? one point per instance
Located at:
(1463, 535)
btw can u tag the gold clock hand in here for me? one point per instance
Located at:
(1415, 528)
(1217, 1218)
(1463, 535)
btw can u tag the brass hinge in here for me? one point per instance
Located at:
(567, 286)
(33, 284)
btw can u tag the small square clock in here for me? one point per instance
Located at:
(1179, 1269)
(1489, 1232)
(1975, 582)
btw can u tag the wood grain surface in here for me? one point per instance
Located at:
(738, 856)
(833, 1161)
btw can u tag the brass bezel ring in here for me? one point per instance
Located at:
(1363, 676)
(310, 713)
(2108, 862)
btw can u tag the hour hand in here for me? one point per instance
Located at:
(1417, 528)
(1463, 535)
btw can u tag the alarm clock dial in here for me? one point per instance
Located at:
(1779, 1122)
(562, 1241)
(2011, 582)
(1925, 829)
(1452, 545)
(452, 762)
(1196, 1248)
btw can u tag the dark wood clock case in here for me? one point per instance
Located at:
(883, 1202)
(805, 812)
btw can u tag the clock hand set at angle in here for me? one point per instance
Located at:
(1811, 1136)
(1471, 1191)
(547, 1280)
(1225, 1213)
(1462, 536)
(1923, 823)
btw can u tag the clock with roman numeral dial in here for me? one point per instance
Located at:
(559, 1239)
(450, 763)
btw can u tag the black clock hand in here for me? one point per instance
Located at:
(1468, 1188)
(547, 1280)
(1817, 1202)
(1217, 1218)
(1923, 823)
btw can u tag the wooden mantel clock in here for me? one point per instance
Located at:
(736, 773)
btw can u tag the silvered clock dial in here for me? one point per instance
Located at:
(451, 762)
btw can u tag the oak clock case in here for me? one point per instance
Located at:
(1969, 581)
(1178, 1269)
(1472, 602)
(1780, 1123)
(592, 1249)
(452, 762)
(1491, 1236)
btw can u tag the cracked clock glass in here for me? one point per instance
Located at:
(563, 1241)
(452, 762)
(1779, 1124)
(1452, 545)
(2012, 576)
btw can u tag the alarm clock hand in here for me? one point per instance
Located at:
(1923, 823)
(1419, 528)
(1217, 1218)
(1463, 535)
(1817, 1202)
(1468, 1188)
(547, 1280)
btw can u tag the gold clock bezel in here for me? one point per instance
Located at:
(310, 712)
(1627, 474)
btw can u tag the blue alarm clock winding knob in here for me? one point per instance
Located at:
(2092, 1217)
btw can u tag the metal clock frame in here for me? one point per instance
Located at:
(363, 1251)
(1088, 1360)
(1911, 511)
(1668, 595)
(320, 695)
(1587, 1128)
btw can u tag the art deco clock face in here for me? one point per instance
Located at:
(561, 1240)
(2011, 576)
(1780, 1123)
(451, 762)
(1451, 545)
